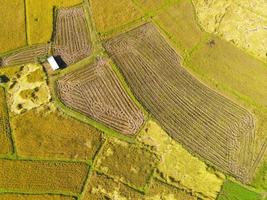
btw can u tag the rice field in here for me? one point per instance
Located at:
(40, 18)
(127, 162)
(42, 176)
(26, 55)
(53, 135)
(12, 23)
(96, 92)
(5, 138)
(71, 40)
(161, 84)
(34, 197)
(112, 14)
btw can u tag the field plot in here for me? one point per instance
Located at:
(152, 5)
(184, 107)
(42, 176)
(127, 163)
(40, 18)
(97, 92)
(12, 23)
(181, 15)
(33, 197)
(260, 180)
(102, 186)
(71, 40)
(5, 138)
(111, 14)
(28, 89)
(178, 167)
(26, 55)
(233, 191)
(53, 135)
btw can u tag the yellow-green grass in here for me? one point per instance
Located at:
(111, 14)
(259, 7)
(34, 197)
(50, 134)
(126, 162)
(232, 191)
(40, 18)
(101, 186)
(178, 21)
(177, 166)
(12, 23)
(235, 74)
(5, 138)
(260, 180)
(42, 176)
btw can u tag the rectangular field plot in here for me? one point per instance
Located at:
(96, 92)
(205, 122)
(24, 56)
(127, 162)
(12, 23)
(71, 40)
(34, 197)
(5, 138)
(53, 135)
(42, 176)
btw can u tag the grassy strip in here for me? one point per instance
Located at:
(66, 194)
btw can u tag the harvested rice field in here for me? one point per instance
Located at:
(133, 100)
(71, 40)
(97, 92)
(26, 55)
(43, 134)
(12, 23)
(42, 176)
(5, 137)
(40, 18)
(224, 138)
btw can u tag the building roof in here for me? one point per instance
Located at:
(54, 65)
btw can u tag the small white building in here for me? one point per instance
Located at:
(53, 63)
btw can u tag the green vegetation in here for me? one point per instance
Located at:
(260, 180)
(34, 197)
(233, 191)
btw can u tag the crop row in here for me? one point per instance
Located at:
(205, 122)
(71, 40)
(96, 92)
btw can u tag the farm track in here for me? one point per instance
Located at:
(207, 123)
(96, 92)
(26, 55)
(71, 40)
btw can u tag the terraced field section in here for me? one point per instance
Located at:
(205, 122)
(5, 138)
(97, 92)
(12, 23)
(47, 133)
(40, 18)
(42, 176)
(71, 40)
(25, 56)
